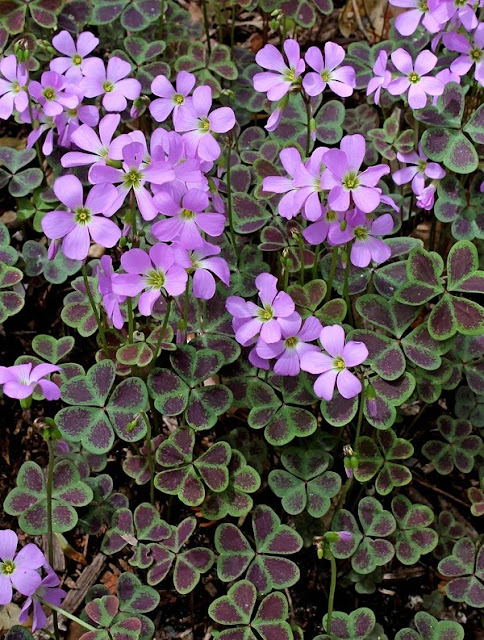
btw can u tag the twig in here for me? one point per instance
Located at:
(359, 21)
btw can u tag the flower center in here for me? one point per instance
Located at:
(476, 54)
(178, 98)
(423, 5)
(15, 86)
(187, 214)
(76, 59)
(132, 179)
(83, 216)
(48, 93)
(331, 215)
(422, 165)
(72, 113)
(266, 314)
(339, 363)
(291, 342)
(155, 279)
(7, 567)
(413, 77)
(326, 75)
(350, 181)
(204, 125)
(108, 86)
(460, 3)
(290, 75)
(361, 233)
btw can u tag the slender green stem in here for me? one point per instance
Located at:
(130, 320)
(163, 328)
(346, 294)
(66, 614)
(134, 227)
(207, 26)
(316, 261)
(186, 302)
(33, 124)
(308, 132)
(332, 591)
(95, 311)
(332, 271)
(286, 277)
(162, 19)
(360, 415)
(50, 528)
(232, 28)
(149, 453)
(229, 205)
(301, 259)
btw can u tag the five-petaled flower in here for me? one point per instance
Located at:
(18, 570)
(21, 380)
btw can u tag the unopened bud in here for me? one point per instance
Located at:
(371, 400)
(320, 553)
(21, 50)
(332, 537)
(274, 24)
(227, 92)
(343, 225)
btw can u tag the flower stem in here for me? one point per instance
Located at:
(66, 614)
(95, 311)
(332, 591)
(207, 27)
(149, 453)
(163, 328)
(332, 271)
(308, 132)
(229, 206)
(316, 258)
(130, 321)
(346, 294)
(360, 416)
(50, 528)
(301, 259)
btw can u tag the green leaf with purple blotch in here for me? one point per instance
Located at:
(28, 500)
(452, 148)
(50, 349)
(414, 538)
(429, 628)
(389, 395)
(357, 625)
(465, 567)
(329, 122)
(475, 125)
(220, 61)
(460, 449)
(19, 633)
(169, 392)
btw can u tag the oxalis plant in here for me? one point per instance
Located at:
(241, 286)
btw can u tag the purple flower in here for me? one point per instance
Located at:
(292, 346)
(194, 118)
(12, 88)
(81, 221)
(340, 80)
(317, 232)
(274, 119)
(50, 93)
(250, 320)
(109, 83)
(71, 119)
(98, 147)
(417, 174)
(463, 10)
(170, 99)
(133, 176)
(304, 186)
(111, 300)
(334, 367)
(155, 274)
(381, 78)
(204, 262)
(363, 230)
(286, 77)
(49, 592)
(72, 64)
(343, 179)
(21, 380)
(426, 199)
(472, 53)
(406, 23)
(18, 569)
(185, 218)
(344, 536)
(415, 79)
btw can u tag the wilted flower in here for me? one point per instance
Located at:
(111, 300)
(382, 76)
(48, 592)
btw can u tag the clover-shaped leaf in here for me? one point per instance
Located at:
(390, 315)
(50, 349)
(423, 270)
(452, 148)
(19, 633)
(306, 483)
(429, 628)
(414, 537)
(236, 610)
(385, 356)
(329, 121)
(137, 466)
(465, 568)
(29, 499)
(129, 528)
(104, 612)
(379, 460)
(103, 505)
(459, 450)
(23, 182)
(92, 419)
(356, 625)
(368, 550)
(187, 478)
(265, 569)
(234, 500)
(77, 310)
(389, 395)
(449, 530)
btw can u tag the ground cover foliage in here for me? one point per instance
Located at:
(242, 357)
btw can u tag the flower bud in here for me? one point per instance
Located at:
(371, 400)
(53, 249)
(332, 537)
(21, 50)
(274, 24)
(320, 553)
(312, 129)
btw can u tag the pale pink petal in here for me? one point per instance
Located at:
(324, 385)
(333, 339)
(348, 384)
(354, 353)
